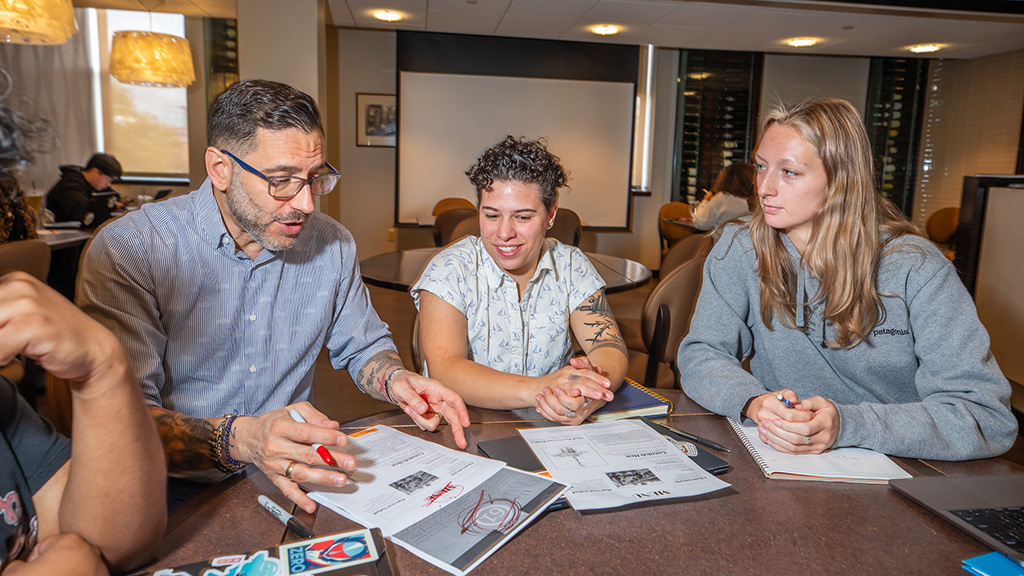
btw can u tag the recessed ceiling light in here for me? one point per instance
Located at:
(925, 48)
(387, 15)
(802, 42)
(605, 29)
(698, 75)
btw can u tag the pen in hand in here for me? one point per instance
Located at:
(324, 453)
(785, 401)
(294, 525)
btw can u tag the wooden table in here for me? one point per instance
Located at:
(399, 270)
(756, 526)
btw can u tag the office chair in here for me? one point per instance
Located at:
(446, 204)
(468, 227)
(444, 224)
(685, 250)
(33, 257)
(567, 228)
(942, 227)
(665, 320)
(670, 233)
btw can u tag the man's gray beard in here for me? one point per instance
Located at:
(254, 220)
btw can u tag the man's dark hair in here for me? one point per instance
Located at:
(521, 160)
(247, 106)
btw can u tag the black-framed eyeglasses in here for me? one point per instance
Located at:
(286, 187)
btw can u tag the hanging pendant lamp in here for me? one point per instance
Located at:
(36, 21)
(151, 59)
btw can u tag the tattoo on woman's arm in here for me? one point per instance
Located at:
(606, 331)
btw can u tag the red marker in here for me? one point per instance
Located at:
(429, 413)
(324, 453)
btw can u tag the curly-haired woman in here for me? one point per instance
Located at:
(844, 311)
(498, 311)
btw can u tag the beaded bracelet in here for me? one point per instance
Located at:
(220, 449)
(387, 384)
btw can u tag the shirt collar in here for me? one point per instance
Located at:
(204, 204)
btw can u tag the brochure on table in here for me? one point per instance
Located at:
(616, 463)
(451, 508)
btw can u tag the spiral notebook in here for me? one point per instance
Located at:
(632, 400)
(856, 465)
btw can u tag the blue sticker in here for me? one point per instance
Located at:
(328, 553)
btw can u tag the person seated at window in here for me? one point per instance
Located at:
(84, 194)
(730, 197)
(857, 321)
(498, 311)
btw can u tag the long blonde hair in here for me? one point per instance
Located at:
(847, 232)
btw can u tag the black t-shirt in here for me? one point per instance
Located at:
(31, 451)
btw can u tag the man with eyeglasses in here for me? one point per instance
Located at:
(224, 297)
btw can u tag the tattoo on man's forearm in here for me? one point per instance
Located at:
(186, 440)
(373, 375)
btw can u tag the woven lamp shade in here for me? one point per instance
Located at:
(37, 21)
(151, 59)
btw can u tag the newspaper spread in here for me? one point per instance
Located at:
(616, 463)
(448, 507)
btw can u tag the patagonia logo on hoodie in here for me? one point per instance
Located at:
(890, 332)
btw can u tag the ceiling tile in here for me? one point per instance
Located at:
(549, 9)
(534, 26)
(486, 6)
(462, 22)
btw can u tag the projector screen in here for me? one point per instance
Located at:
(447, 120)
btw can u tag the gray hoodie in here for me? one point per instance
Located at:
(923, 385)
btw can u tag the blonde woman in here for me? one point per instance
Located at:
(858, 322)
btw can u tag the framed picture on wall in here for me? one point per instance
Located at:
(376, 119)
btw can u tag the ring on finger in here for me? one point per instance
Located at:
(808, 440)
(288, 470)
(585, 400)
(570, 413)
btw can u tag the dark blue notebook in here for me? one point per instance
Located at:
(632, 400)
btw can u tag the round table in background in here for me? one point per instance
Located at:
(399, 270)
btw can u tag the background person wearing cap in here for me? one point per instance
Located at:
(84, 194)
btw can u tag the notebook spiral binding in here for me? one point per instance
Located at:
(754, 453)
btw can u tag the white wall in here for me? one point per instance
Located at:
(791, 79)
(365, 198)
(971, 125)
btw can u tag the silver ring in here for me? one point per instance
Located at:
(808, 440)
(288, 470)
(570, 413)
(585, 400)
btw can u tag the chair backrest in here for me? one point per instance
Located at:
(468, 227)
(32, 256)
(943, 224)
(670, 234)
(684, 250)
(677, 291)
(567, 228)
(446, 221)
(451, 204)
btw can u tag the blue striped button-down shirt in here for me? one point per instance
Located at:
(211, 331)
